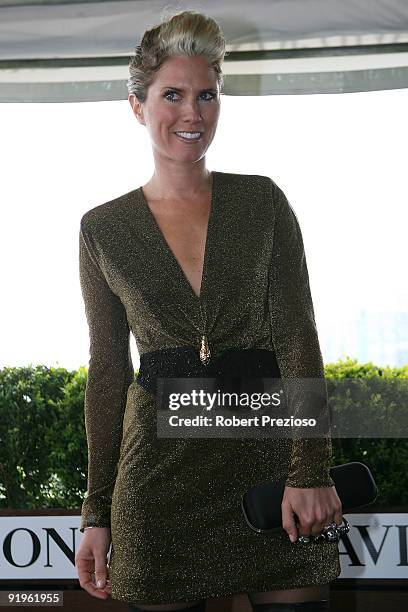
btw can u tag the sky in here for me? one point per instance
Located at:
(340, 159)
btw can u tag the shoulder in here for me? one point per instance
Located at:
(108, 214)
(259, 188)
(253, 182)
(248, 182)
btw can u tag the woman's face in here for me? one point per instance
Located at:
(184, 96)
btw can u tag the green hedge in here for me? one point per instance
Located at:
(382, 399)
(43, 450)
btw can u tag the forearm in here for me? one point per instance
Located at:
(297, 347)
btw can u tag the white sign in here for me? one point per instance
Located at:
(38, 546)
(375, 546)
(45, 546)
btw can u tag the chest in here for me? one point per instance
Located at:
(192, 261)
(184, 228)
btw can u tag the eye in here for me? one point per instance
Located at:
(167, 93)
(170, 92)
(212, 96)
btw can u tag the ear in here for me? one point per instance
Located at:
(137, 108)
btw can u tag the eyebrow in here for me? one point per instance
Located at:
(178, 89)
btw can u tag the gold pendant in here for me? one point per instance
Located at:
(204, 350)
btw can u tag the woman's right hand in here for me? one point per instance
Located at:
(91, 561)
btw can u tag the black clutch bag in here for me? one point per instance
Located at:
(261, 504)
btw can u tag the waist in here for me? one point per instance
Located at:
(184, 362)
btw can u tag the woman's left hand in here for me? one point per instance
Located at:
(315, 508)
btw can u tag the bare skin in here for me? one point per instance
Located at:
(179, 197)
(92, 563)
(184, 227)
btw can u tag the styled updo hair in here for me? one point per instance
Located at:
(185, 33)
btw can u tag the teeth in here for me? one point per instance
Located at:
(189, 134)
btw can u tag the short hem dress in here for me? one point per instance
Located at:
(173, 505)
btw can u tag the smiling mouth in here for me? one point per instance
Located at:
(189, 138)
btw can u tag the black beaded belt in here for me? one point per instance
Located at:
(184, 362)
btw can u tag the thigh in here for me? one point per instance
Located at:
(194, 606)
(290, 595)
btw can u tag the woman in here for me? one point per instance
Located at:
(200, 266)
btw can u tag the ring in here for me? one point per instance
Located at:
(330, 533)
(303, 539)
(333, 532)
(344, 526)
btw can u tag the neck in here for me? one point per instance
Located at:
(180, 184)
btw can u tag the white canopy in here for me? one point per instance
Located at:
(71, 51)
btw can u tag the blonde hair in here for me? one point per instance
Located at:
(185, 33)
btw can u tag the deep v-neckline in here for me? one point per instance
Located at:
(168, 251)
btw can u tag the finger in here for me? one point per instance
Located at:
(338, 511)
(328, 514)
(318, 527)
(88, 584)
(86, 578)
(84, 568)
(82, 574)
(321, 520)
(338, 517)
(101, 572)
(288, 522)
(90, 587)
(305, 525)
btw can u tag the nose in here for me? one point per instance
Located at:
(192, 110)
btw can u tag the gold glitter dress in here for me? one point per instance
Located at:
(173, 505)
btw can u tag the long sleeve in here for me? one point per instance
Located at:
(295, 341)
(110, 373)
